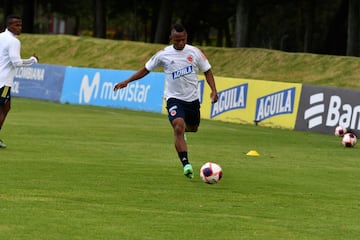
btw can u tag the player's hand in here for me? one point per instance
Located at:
(214, 97)
(120, 85)
(35, 56)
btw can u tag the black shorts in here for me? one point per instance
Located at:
(5, 94)
(189, 111)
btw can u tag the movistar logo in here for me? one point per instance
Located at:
(182, 72)
(87, 90)
(134, 92)
(281, 102)
(230, 99)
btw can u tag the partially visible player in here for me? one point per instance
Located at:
(10, 59)
(181, 63)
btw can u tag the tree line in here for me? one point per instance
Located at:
(312, 26)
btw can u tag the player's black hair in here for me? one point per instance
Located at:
(11, 17)
(179, 27)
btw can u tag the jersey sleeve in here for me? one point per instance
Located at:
(15, 58)
(154, 62)
(203, 62)
(14, 53)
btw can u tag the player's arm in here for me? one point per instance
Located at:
(211, 82)
(27, 62)
(139, 74)
(15, 58)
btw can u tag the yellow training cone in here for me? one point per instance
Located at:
(253, 153)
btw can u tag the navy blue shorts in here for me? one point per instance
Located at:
(189, 111)
(5, 94)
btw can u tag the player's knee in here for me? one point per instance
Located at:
(179, 128)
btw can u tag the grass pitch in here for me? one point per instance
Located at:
(83, 172)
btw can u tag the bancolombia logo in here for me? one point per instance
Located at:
(230, 99)
(314, 114)
(323, 108)
(134, 92)
(337, 113)
(277, 103)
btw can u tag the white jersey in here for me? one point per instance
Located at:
(181, 68)
(10, 58)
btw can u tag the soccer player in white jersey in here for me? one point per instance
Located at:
(9, 60)
(181, 63)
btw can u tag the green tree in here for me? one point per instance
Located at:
(163, 22)
(99, 18)
(353, 32)
(316, 26)
(241, 23)
(28, 12)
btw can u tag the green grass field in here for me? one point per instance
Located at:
(83, 172)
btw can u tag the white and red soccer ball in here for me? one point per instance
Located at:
(340, 131)
(349, 140)
(211, 173)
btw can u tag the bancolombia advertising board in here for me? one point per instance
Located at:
(321, 109)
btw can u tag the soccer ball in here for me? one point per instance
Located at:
(349, 140)
(211, 173)
(340, 131)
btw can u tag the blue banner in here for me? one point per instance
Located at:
(40, 81)
(95, 87)
(281, 102)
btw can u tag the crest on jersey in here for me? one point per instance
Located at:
(190, 58)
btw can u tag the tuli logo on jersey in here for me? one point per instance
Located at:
(277, 103)
(230, 99)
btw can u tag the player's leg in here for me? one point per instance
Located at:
(4, 109)
(192, 122)
(5, 105)
(176, 118)
(178, 125)
(192, 116)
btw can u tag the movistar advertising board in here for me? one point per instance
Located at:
(40, 81)
(95, 87)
